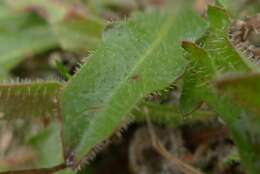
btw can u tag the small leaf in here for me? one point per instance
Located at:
(62, 70)
(198, 75)
(136, 58)
(225, 56)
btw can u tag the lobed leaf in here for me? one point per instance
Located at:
(136, 58)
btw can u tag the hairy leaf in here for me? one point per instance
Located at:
(219, 55)
(225, 56)
(136, 58)
(243, 125)
(28, 99)
(198, 76)
(29, 108)
(238, 120)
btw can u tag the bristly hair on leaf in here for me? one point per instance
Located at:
(25, 98)
(136, 58)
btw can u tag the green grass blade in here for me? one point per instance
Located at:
(136, 58)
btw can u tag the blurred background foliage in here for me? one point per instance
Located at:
(38, 35)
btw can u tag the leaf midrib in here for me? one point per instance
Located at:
(164, 30)
(161, 34)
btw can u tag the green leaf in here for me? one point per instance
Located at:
(62, 70)
(244, 125)
(200, 56)
(219, 56)
(198, 75)
(28, 99)
(241, 7)
(22, 35)
(136, 58)
(225, 56)
(74, 29)
(243, 89)
(29, 107)
(78, 34)
(48, 146)
(244, 128)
